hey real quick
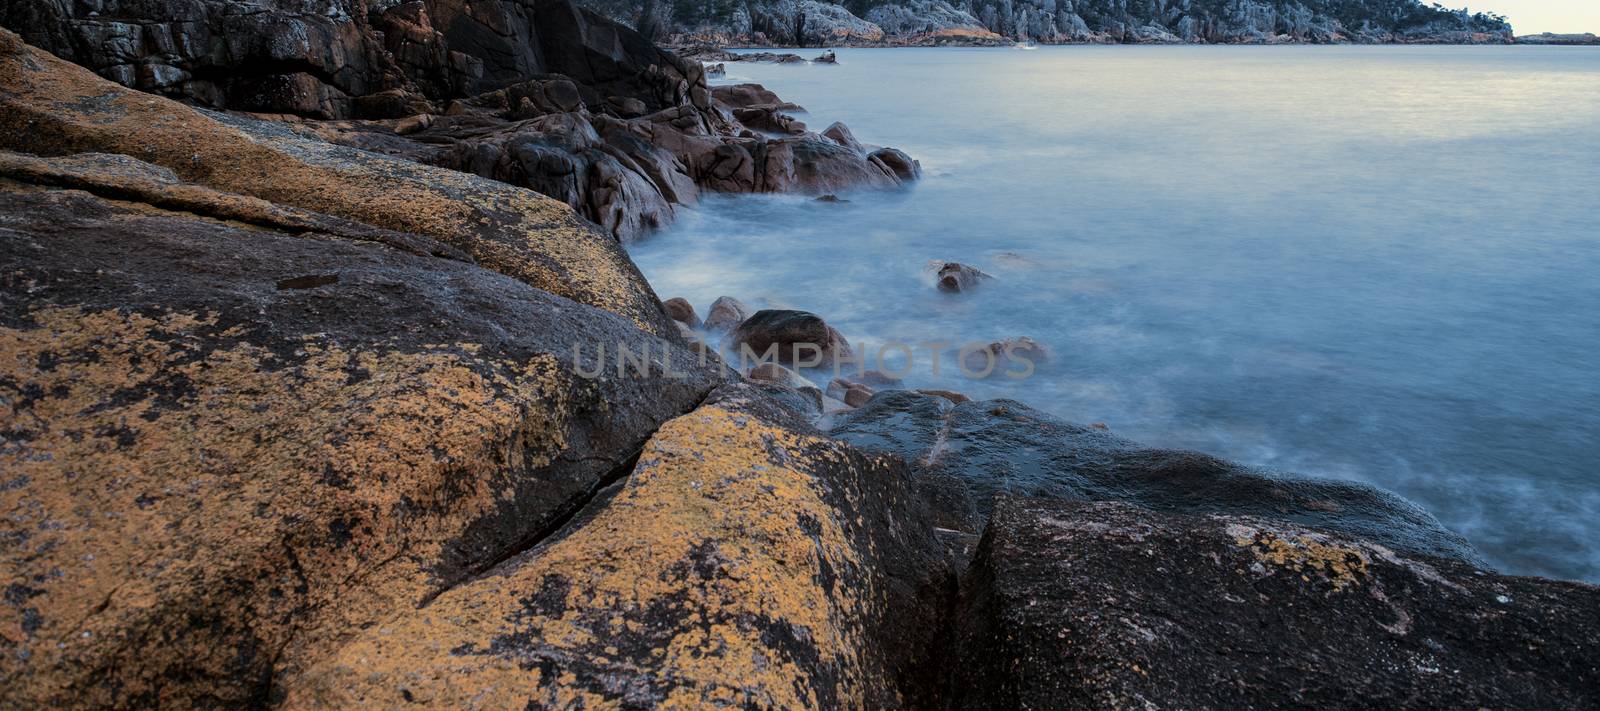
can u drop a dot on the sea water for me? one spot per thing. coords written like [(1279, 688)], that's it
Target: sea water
[(1371, 263)]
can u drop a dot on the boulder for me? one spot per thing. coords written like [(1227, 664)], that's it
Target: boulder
[(954, 277), (827, 57), (516, 232), (1107, 605), (679, 309), (726, 314), (746, 96), (897, 163), (239, 432), (997, 447), (787, 336), (745, 557), (858, 395)]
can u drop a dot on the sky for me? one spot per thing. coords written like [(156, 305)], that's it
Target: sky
[(1530, 17)]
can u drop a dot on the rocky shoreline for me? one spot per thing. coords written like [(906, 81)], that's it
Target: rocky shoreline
[(935, 23), (303, 405)]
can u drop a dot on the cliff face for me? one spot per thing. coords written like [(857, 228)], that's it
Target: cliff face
[(811, 23)]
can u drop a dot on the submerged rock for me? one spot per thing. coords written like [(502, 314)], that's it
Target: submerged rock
[(1105, 605), (997, 447), (954, 277)]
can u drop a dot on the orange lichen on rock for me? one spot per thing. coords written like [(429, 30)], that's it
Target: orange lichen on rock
[(52, 107), (127, 507), (1304, 553), (720, 574)]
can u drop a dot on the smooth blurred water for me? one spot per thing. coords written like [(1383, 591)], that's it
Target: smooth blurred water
[(1375, 263)]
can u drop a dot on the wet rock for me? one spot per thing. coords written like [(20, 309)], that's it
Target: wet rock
[(831, 199), (954, 397), (1108, 605), (1004, 447), (838, 387), (784, 377), (726, 314), (954, 277), (787, 336), (679, 309), (858, 395), (879, 378), (762, 561), (827, 57), (255, 429)]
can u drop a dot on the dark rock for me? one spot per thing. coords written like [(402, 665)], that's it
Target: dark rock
[(784, 377), (1103, 605), (787, 337), (627, 107), (879, 378), (827, 57), (726, 314), (954, 277), (1004, 447), (679, 309), (954, 397)]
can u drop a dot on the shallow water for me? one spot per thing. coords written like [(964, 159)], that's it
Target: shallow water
[(1375, 263)]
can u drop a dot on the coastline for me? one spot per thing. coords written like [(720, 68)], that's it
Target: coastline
[(301, 415)]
